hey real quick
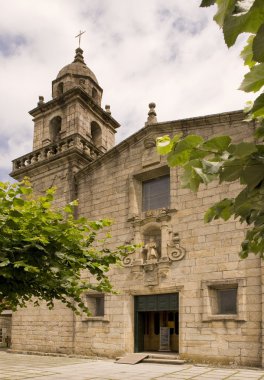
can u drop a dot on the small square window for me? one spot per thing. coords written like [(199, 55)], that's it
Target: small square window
[(156, 193), (227, 301), (95, 303), (224, 300)]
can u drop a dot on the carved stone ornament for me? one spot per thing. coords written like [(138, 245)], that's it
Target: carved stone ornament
[(150, 275), (150, 155), (149, 142), (175, 251), (129, 259), (160, 246)]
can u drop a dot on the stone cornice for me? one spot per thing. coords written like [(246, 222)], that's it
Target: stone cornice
[(78, 93)]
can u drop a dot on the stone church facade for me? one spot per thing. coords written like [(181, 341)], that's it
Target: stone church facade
[(185, 290)]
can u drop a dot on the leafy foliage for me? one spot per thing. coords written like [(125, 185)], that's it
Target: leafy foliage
[(218, 158), (44, 251)]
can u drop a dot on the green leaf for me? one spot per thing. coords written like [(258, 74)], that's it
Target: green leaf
[(253, 174), (189, 142), (164, 144), (26, 190), (31, 269), (18, 202), (178, 159), (247, 53), (225, 7), (242, 149), (259, 133), (20, 263), (201, 174), (254, 80), (192, 177), (209, 215), (11, 224), (194, 184), (217, 144), (211, 167), (231, 170), (68, 209), (258, 45), (258, 106), (45, 205), (222, 209), (247, 21), (4, 263), (243, 204), (182, 150), (207, 3)]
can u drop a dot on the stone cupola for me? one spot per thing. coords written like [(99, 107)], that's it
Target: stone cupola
[(77, 74)]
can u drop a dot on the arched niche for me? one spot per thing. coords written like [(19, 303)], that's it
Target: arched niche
[(151, 234), (55, 128), (96, 133)]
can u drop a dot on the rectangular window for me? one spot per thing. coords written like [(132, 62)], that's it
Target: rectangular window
[(224, 300), (95, 303), (227, 301), (1, 335), (99, 308), (156, 193)]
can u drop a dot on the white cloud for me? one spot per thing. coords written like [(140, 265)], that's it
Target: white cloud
[(166, 51)]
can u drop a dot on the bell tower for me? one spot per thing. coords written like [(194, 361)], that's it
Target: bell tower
[(70, 131)]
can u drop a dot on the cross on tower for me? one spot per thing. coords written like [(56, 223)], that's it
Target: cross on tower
[(79, 35)]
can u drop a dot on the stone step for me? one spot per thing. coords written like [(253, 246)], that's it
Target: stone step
[(163, 356), (159, 358), (164, 361)]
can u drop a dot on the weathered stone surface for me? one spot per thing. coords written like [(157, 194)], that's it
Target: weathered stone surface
[(110, 186)]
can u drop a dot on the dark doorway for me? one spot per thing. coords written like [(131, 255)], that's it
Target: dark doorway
[(153, 315)]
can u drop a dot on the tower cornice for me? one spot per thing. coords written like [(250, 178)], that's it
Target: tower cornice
[(67, 97)]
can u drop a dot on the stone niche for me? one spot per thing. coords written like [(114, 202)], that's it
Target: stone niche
[(159, 246)]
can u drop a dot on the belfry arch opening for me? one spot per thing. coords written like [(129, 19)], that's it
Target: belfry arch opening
[(55, 128), (96, 133)]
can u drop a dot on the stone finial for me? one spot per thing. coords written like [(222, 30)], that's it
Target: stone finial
[(107, 109), (41, 100), (152, 116), (79, 55)]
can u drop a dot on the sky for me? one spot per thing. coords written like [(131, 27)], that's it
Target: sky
[(170, 52)]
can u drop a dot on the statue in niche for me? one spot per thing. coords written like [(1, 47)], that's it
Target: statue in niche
[(150, 250)]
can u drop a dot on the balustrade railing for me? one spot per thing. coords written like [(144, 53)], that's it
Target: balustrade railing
[(55, 148)]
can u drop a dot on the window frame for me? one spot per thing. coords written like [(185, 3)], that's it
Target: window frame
[(150, 193), (210, 299), (88, 298)]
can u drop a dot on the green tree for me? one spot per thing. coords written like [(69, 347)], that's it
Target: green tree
[(43, 251), (219, 158)]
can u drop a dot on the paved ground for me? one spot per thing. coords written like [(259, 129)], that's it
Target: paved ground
[(20, 367)]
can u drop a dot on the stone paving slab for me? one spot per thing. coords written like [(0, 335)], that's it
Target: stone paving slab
[(33, 367)]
